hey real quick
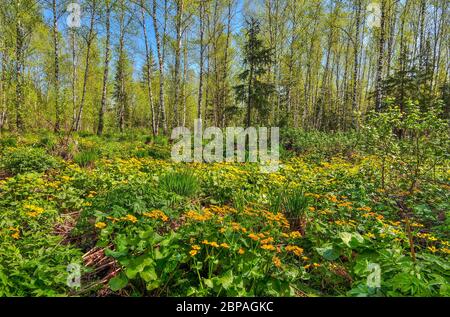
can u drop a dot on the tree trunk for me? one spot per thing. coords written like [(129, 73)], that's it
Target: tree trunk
[(179, 20), (380, 63), (148, 70), (105, 70), (202, 48), (86, 69), (355, 106), (56, 74), (159, 49)]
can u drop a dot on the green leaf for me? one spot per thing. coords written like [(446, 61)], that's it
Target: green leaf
[(118, 282), (227, 279), (149, 274), (352, 240), (328, 252)]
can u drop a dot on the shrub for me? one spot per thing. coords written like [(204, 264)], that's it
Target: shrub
[(182, 183), (8, 142), (25, 160)]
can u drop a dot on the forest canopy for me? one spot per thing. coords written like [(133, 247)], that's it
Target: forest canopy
[(114, 64)]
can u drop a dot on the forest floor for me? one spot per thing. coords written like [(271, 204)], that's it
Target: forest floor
[(119, 217)]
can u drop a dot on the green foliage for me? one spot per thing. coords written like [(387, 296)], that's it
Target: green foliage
[(183, 183), (86, 158), (23, 160), (315, 227), (292, 202)]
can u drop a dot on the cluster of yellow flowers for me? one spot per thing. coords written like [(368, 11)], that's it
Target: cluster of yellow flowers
[(100, 225), (332, 198), (194, 250), (215, 244), (237, 227), (34, 211), (54, 184), (294, 249), (374, 215), (365, 208), (426, 236), (267, 241), (157, 214), (345, 204), (313, 195), (314, 265), (91, 194), (276, 261), (221, 210), (16, 232), (268, 247), (277, 218), (193, 215), (131, 218)]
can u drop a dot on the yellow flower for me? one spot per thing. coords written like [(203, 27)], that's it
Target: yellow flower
[(241, 251), (432, 249), (294, 249), (295, 234), (131, 218), (16, 235), (225, 245), (316, 264), (311, 208), (214, 244), (156, 214), (253, 236), (370, 235), (445, 250), (305, 258), (205, 242), (268, 247), (276, 261), (193, 252), (100, 225), (267, 241), (307, 266), (333, 199), (196, 247)]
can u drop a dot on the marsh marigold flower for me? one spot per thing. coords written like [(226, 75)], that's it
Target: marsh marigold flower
[(294, 249), (268, 247), (276, 261), (295, 235), (100, 225), (131, 218), (193, 252)]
